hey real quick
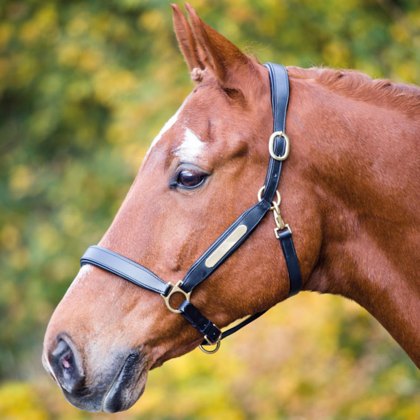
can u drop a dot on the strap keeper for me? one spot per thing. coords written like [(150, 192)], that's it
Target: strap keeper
[(212, 334), (285, 233)]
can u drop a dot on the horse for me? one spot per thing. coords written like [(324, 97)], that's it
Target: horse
[(349, 190)]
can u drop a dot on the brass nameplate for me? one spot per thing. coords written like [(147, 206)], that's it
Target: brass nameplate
[(225, 246)]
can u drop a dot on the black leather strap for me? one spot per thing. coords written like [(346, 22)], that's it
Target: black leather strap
[(200, 322), (124, 267), (198, 271), (292, 262), (279, 85), (242, 324)]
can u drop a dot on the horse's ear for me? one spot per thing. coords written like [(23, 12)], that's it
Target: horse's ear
[(205, 48), (186, 40)]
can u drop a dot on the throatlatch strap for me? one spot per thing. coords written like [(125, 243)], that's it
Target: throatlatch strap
[(289, 252), (279, 85)]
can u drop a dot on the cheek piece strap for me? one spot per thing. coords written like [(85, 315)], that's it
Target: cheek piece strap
[(229, 241)]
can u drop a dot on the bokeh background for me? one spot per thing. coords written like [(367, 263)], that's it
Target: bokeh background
[(84, 87)]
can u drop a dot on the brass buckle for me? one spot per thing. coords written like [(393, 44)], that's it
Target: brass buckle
[(175, 289), (271, 146), (209, 343)]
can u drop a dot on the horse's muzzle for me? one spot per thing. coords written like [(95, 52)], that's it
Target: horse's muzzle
[(116, 388)]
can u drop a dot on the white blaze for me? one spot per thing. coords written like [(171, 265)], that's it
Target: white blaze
[(191, 148), (84, 271), (167, 126)]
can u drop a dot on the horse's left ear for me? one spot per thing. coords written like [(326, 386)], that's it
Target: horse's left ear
[(212, 51)]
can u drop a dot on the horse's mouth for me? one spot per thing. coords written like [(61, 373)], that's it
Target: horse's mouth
[(128, 385)]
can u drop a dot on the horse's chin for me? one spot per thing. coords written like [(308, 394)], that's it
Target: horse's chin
[(127, 387), (122, 391)]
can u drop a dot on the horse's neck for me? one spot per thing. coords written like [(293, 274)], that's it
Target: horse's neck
[(364, 163)]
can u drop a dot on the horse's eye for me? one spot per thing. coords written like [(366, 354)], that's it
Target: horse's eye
[(189, 178)]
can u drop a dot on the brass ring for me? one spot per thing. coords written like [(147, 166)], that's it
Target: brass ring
[(271, 146), (211, 351), (175, 289), (275, 203)]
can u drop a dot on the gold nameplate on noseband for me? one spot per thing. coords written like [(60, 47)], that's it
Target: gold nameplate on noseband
[(225, 246)]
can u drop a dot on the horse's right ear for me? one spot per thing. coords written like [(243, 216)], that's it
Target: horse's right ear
[(186, 40)]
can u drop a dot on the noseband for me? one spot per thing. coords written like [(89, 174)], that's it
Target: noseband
[(230, 240)]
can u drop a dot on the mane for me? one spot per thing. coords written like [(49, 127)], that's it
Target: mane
[(357, 85)]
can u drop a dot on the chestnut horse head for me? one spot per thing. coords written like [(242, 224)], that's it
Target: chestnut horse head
[(349, 190)]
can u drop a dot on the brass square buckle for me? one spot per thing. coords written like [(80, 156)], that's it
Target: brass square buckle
[(175, 289)]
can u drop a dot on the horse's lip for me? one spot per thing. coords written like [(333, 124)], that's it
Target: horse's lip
[(128, 385)]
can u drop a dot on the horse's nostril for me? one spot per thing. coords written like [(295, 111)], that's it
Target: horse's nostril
[(65, 362)]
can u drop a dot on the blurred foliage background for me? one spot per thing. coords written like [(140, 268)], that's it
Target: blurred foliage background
[(84, 87)]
